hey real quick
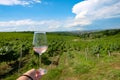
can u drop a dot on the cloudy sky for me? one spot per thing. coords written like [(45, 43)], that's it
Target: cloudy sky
[(59, 15)]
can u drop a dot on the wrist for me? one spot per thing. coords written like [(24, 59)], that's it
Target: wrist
[(27, 76)]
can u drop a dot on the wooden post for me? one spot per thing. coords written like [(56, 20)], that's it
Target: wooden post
[(109, 54), (86, 53)]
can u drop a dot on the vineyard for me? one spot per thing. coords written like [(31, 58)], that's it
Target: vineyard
[(70, 55)]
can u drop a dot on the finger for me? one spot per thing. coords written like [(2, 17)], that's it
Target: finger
[(38, 74)]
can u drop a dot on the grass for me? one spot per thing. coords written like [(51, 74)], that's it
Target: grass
[(74, 66)]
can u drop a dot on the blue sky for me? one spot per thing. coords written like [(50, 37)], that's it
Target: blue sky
[(59, 15)]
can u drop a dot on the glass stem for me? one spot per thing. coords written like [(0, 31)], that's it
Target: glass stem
[(40, 62)]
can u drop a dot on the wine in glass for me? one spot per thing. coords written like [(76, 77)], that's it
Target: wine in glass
[(40, 46)]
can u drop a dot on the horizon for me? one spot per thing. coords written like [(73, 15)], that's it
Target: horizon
[(64, 31), (60, 15)]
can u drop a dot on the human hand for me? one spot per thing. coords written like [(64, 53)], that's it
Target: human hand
[(31, 74)]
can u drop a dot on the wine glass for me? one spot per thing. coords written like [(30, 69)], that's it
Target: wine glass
[(40, 46)]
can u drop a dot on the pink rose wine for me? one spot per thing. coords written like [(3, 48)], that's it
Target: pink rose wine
[(40, 49)]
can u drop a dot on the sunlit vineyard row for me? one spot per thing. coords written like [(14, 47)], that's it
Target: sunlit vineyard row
[(70, 55)]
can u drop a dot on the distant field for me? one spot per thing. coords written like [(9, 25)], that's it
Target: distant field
[(70, 55)]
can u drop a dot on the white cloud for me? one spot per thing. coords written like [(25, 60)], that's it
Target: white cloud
[(76, 22), (29, 25), (90, 10), (18, 2), (32, 25)]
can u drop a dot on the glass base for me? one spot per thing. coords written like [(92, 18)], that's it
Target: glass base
[(42, 71)]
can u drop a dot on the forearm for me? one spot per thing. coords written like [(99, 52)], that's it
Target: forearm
[(29, 75), (23, 78)]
